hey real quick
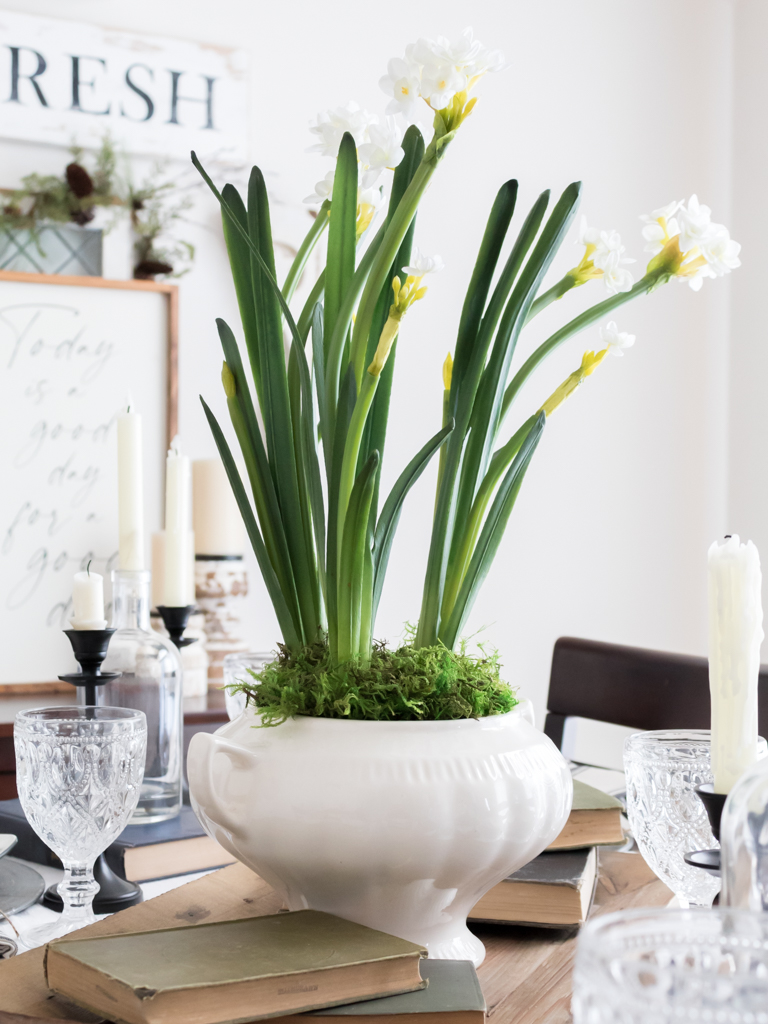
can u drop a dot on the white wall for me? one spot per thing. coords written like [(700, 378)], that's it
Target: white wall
[(629, 485)]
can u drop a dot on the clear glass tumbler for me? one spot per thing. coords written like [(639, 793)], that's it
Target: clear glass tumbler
[(667, 818), (664, 966), (79, 773), (238, 668)]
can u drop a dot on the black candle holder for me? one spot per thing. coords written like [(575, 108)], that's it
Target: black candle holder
[(114, 893), (90, 649), (176, 619), (709, 860)]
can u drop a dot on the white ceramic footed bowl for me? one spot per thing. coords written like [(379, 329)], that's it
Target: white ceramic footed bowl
[(401, 826)]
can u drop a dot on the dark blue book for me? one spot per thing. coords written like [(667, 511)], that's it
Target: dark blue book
[(142, 853)]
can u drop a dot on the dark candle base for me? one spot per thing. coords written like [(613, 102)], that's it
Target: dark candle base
[(114, 893), (90, 649), (709, 860), (176, 620), (713, 805)]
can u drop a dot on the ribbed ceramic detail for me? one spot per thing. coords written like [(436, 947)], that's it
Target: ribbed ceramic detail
[(401, 826)]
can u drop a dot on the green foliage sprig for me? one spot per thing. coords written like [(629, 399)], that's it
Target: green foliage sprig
[(407, 684), (154, 206), (70, 198)]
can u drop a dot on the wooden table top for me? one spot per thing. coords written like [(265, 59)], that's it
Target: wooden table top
[(526, 976)]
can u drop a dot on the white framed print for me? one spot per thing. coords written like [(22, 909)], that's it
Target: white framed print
[(73, 352)]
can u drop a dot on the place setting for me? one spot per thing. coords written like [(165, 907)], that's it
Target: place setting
[(356, 667)]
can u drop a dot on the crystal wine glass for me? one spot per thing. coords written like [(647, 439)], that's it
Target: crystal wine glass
[(237, 669), (79, 773), (663, 769), (672, 967)]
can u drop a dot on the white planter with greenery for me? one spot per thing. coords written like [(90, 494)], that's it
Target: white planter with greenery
[(401, 826)]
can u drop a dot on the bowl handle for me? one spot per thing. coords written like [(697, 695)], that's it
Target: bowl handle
[(202, 748)]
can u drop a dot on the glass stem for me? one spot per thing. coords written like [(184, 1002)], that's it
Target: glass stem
[(77, 890)]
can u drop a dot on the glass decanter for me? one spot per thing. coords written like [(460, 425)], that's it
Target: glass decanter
[(744, 841), (150, 681)]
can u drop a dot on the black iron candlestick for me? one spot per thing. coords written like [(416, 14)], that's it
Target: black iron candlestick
[(176, 619), (90, 648), (709, 860)]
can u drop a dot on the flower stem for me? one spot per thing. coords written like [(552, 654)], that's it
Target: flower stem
[(352, 450), (305, 250), (579, 323), (382, 263)]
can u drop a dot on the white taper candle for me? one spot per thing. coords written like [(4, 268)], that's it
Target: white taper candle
[(130, 490), (178, 584), (735, 636)]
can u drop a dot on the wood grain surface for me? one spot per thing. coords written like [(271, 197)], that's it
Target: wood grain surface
[(526, 976)]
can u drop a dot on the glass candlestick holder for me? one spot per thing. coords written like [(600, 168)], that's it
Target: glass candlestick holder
[(151, 681), (744, 838)]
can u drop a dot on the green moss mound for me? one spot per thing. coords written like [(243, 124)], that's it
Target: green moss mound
[(405, 685)]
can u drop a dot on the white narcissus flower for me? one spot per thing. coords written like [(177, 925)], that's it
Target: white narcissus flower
[(323, 190), (383, 150), (660, 226), (615, 339), (721, 252), (696, 226), (421, 264), (402, 83), (587, 235), (440, 82), (606, 254), (370, 197), (331, 125), (615, 277)]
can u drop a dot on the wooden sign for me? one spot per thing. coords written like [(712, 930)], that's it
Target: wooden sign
[(73, 352), (62, 80)]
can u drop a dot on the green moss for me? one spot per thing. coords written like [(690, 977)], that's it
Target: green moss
[(409, 684)]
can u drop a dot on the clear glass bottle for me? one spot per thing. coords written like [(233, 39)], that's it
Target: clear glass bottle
[(744, 841), (151, 681)]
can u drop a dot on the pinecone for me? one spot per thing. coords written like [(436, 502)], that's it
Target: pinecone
[(79, 180)]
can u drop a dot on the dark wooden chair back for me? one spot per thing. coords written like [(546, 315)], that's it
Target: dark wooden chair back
[(632, 686)]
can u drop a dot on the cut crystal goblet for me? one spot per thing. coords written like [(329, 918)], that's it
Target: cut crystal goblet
[(667, 818), (79, 773)]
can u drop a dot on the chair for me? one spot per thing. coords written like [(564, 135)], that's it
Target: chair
[(633, 687)]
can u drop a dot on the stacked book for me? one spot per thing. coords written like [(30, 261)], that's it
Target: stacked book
[(555, 889), (291, 965)]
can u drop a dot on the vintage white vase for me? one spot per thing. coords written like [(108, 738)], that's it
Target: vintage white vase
[(401, 826)]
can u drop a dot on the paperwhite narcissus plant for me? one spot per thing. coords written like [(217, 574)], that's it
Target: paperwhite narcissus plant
[(312, 425)]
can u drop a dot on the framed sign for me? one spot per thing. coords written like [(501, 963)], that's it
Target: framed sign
[(73, 352), (63, 80)]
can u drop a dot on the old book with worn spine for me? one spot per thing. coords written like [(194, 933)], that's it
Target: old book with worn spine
[(232, 971), (452, 996), (595, 820), (555, 890)]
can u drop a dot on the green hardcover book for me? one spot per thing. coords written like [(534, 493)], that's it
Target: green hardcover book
[(452, 996), (232, 971), (595, 820)]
